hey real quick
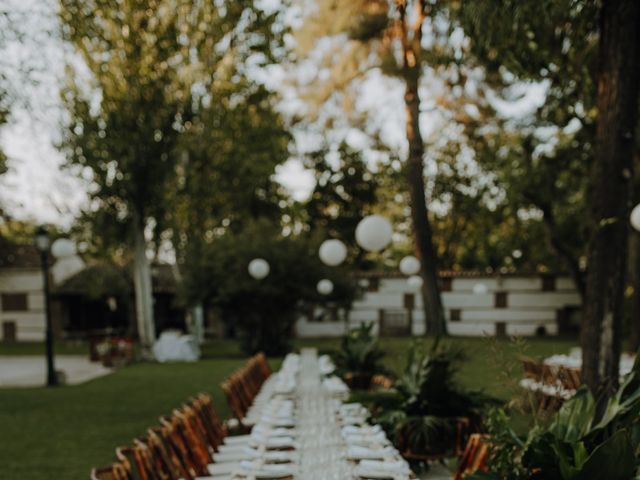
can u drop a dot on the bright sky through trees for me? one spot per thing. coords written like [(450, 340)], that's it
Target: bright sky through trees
[(36, 188)]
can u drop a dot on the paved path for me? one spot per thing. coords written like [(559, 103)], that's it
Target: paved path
[(30, 371), (437, 472)]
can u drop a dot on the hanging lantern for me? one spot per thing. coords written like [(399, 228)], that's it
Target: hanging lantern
[(480, 289), (332, 252), (635, 217), (258, 268), (415, 282), (63, 248), (374, 233), (363, 283), (325, 286), (409, 265)]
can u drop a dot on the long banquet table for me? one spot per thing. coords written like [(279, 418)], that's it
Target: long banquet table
[(331, 440)]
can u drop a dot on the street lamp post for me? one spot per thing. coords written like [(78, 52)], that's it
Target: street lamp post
[(43, 243)]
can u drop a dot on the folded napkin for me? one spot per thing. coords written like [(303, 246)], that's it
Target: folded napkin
[(393, 466), (362, 430), (252, 469), (357, 452), (366, 440), (272, 443)]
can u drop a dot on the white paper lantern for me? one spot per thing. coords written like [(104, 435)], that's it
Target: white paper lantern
[(635, 217), (480, 289), (325, 286), (363, 283), (63, 248), (332, 252), (409, 265), (258, 268), (415, 282), (373, 233)]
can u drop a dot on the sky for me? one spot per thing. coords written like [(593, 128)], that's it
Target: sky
[(38, 188)]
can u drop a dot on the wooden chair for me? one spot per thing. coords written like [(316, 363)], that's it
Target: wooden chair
[(532, 369), (382, 381), (233, 399), (474, 457), (141, 461), (165, 456), (177, 438), (213, 426), (115, 471)]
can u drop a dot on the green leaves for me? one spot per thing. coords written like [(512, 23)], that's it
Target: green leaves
[(360, 353), (571, 447), (573, 420), (614, 460)]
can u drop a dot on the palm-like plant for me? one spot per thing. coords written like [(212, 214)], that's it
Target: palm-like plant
[(424, 408), (359, 358)]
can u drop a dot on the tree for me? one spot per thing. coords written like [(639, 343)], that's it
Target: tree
[(345, 192), (263, 312), (144, 58), (377, 30), (588, 53), (618, 94)]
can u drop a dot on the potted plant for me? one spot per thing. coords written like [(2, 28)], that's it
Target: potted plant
[(359, 357), (426, 413)]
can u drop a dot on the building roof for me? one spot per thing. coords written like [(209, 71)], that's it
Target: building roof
[(458, 274), (105, 279), (14, 255)]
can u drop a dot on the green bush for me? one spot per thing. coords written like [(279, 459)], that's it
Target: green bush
[(359, 357), (424, 406), (262, 312), (577, 444)]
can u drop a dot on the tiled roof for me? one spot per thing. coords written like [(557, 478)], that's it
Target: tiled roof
[(14, 255), (109, 279), (458, 274)]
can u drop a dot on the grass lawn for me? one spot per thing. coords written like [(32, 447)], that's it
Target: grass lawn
[(61, 433)]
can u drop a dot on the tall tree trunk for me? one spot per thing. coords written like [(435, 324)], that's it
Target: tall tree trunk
[(433, 311), (142, 285), (634, 258), (611, 188), (411, 39)]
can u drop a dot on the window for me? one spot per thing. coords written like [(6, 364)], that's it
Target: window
[(14, 302), (409, 301), (455, 315), (500, 300), (445, 284), (548, 283), (374, 284)]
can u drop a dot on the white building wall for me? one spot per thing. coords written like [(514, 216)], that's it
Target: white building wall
[(528, 307), (30, 324)]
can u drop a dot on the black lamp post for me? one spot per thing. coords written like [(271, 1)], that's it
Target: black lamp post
[(43, 243)]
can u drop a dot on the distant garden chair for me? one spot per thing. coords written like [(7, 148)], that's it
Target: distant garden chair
[(382, 381), (116, 471), (475, 456)]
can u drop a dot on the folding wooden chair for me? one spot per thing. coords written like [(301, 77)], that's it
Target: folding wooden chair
[(177, 437), (475, 456), (141, 461), (165, 456), (115, 471)]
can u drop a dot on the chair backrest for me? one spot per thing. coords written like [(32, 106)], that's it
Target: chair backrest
[(115, 471), (214, 430), (235, 404), (182, 440), (532, 368), (195, 434), (164, 456), (475, 456), (141, 460)]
